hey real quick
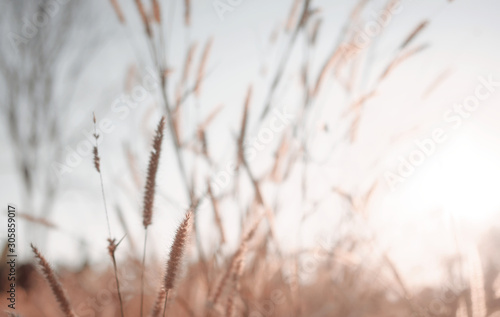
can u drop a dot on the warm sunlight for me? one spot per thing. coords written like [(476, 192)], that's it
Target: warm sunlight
[(450, 201), (463, 179), (249, 158)]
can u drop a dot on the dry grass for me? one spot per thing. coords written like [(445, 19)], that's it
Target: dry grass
[(251, 280), (54, 284), (118, 11), (149, 195), (154, 161), (254, 278)]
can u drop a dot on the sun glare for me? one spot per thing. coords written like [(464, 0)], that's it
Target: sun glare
[(464, 177)]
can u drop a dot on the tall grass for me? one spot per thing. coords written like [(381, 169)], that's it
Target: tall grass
[(255, 277)]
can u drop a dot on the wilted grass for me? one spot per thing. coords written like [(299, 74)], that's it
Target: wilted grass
[(255, 278)]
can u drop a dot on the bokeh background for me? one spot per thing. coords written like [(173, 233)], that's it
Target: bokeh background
[(370, 113)]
